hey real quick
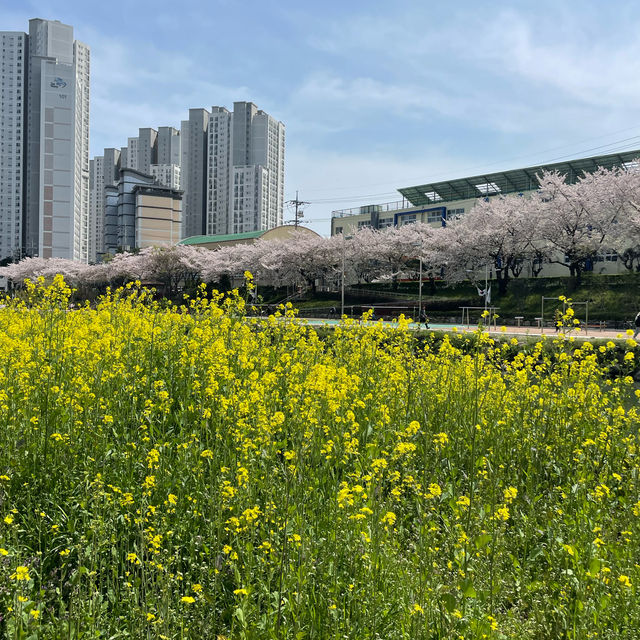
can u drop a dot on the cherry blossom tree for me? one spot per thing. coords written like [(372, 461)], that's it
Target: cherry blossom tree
[(496, 234), (577, 221)]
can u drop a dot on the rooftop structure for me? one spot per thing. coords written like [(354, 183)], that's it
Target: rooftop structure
[(282, 232), (513, 181), (490, 184)]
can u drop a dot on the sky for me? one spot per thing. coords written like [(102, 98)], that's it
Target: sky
[(375, 96)]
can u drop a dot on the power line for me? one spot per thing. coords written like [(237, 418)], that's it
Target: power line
[(528, 155), (356, 198), (298, 211)]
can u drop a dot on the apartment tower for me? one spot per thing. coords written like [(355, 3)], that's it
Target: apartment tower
[(56, 216), (245, 187), (13, 101)]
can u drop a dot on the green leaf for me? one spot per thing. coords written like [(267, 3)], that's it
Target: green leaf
[(449, 602), (466, 586), (482, 540)]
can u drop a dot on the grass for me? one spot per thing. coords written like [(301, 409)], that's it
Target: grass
[(190, 473)]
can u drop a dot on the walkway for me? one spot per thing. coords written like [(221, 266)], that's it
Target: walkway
[(533, 332)]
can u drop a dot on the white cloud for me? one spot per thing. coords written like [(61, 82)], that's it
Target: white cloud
[(356, 178), (134, 85)]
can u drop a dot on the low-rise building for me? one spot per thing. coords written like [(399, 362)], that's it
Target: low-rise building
[(140, 213), (283, 232), (436, 202)]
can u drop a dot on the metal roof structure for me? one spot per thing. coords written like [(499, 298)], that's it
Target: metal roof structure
[(248, 235), (513, 181)]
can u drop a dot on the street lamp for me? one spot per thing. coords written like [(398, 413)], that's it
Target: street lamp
[(344, 237), (420, 286)]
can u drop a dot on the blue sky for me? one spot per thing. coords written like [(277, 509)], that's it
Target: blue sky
[(374, 95)]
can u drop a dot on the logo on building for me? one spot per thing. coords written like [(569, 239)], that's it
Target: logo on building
[(58, 83)]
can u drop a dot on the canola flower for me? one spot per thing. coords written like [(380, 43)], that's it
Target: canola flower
[(192, 472)]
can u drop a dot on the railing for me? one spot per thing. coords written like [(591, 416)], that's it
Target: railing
[(372, 208), (372, 293)]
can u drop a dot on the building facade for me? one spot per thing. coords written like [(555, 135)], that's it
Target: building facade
[(147, 149), (158, 216), (229, 166), (168, 146), (45, 141), (245, 190), (139, 213), (167, 175), (435, 203), (104, 171), (13, 102), (193, 171)]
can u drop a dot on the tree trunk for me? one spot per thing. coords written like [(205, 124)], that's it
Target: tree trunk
[(503, 280)]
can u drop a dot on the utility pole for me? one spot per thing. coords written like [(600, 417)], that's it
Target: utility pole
[(297, 203)]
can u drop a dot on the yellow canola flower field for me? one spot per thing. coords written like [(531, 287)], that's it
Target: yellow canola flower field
[(190, 472)]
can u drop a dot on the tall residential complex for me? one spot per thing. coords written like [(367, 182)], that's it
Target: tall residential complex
[(245, 186), (13, 66), (168, 146), (104, 172), (193, 168), (228, 165), (44, 143)]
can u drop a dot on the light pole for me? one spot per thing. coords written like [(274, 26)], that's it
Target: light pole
[(344, 237), (420, 286), (486, 285)]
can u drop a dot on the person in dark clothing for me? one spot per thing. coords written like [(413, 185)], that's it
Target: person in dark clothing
[(558, 320), (423, 319)]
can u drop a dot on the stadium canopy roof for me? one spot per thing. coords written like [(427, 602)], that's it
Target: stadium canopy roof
[(513, 181)]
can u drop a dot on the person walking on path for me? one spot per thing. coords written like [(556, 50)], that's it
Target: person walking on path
[(558, 320), (637, 323)]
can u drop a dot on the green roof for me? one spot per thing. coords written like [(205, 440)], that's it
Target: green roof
[(513, 181), (249, 235)]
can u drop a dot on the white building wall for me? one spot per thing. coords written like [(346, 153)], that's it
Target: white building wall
[(168, 146), (147, 149)]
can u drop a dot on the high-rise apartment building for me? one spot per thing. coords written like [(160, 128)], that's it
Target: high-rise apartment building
[(147, 149), (168, 146), (167, 175), (13, 74), (229, 166), (245, 182), (44, 139), (219, 176), (193, 172), (142, 151), (104, 171), (131, 156)]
